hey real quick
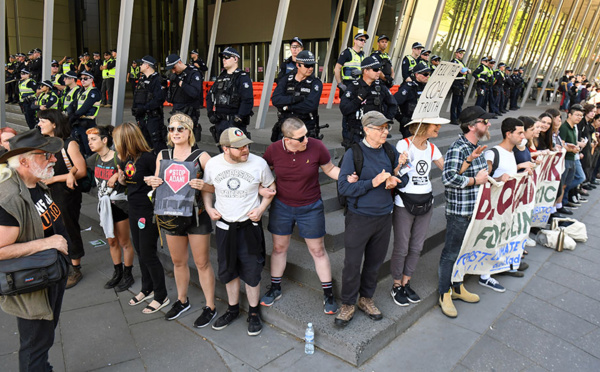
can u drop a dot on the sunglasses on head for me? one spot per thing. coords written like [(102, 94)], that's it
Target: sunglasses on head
[(179, 128)]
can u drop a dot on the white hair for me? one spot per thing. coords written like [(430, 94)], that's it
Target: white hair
[(14, 162)]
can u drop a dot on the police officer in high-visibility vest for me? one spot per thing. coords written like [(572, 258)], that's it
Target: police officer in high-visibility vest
[(410, 60), (57, 79), (424, 57), (70, 92), (386, 74), (229, 101), (84, 116), (298, 95), (498, 88), (434, 62), (27, 98), (185, 91), (148, 100), (134, 74), (483, 78), (47, 99), (408, 95), (67, 64), (288, 65), (109, 70), (364, 95), (458, 86)]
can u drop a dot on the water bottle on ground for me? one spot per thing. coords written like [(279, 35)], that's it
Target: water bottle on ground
[(309, 338)]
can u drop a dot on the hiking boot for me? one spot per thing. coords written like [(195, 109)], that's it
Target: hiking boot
[(330, 307), (225, 320), (447, 306), (206, 317), (492, 284), (399, 295), (116, 278), (273, 294), (126, 281), (254, 324), (412, 295), (345, 315), (368, 307), (75, 277), (461, 293), (177, 309)]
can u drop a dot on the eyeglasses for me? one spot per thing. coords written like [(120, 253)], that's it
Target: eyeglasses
[(48, 155), (380, 129), (296, 47), (483, 121), (301, 139), (239, 148), (305, 65), (180, 128), (86, 78), (362, 40)]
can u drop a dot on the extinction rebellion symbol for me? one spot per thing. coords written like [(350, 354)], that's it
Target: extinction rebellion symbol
[(177, 176)]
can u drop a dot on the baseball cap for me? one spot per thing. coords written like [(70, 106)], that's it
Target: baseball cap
[(87, 73), (149, 60), (383, 37), (361, 34), (425, 51), (234, 137), (194, 51), (47, 83), (298, 40), (421, 68), (460, 50), (70, 74), (376, 119)]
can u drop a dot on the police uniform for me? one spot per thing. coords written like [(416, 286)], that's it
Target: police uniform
[(299, 99), (108, 81), (432, 67), (84, 115), (36, 67), (10, 74), (229, 101), (49, 99), (458, 89), (186, 98), (289, 65), (516, 91), (483, 77), (68, 65), (386, 63), (361, 98), (498, 89), (198, 63), (134, 75), (409, 62), (96, 63), (27, 89), (351, 61), (148, 99), (508, 87), (69, 95), (407, 98)]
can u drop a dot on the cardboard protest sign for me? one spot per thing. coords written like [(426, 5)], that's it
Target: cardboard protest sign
[(547, 175), (499, 227), (432, 98), (175, 197)]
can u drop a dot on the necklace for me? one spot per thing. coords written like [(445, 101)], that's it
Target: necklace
[(103, 155)]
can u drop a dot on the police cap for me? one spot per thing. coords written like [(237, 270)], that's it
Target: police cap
[(172, 60), (491, 60), (86, 54), (113, 50), (370, 62), (484, 59), (383, 37), (87, 73), (502, 64), (54, 63), (194, 51), (421, 68), (297, 40), (460, 50), (37, 50), (521, 68), (47, 83), (426, 51), (435, 57), (70, 74), (228, 52), (30, 52), (69, 59), (96, 54), (107, 53), (306, 57), (149, 60), (508, 68), (25, 71), (361, 34), (418, 45)]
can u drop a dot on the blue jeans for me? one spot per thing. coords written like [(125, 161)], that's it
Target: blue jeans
[(574, 177), (456, 227)]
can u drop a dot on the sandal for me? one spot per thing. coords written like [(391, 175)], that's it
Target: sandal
[(151, 309), (525, 253), (136, 300)]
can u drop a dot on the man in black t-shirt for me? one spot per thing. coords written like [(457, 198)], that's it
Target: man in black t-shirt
[(31, 222)]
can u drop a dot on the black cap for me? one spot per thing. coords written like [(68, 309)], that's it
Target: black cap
[(306, 57), (417, 45), (383, 37), (521, 68), (54, 62), (228, 52), (425, 51), (30, 52), (37, 50), (508, 68), (172, 60), (491, 60), (87, 73), (29, 141), (85, 54), (460, 50), (47, 83), (97, 54), (113, 50), (361, 34), (25, 71), (297, 40), (435, 57), (421, 68), (69, 58), (149, 60), (194, 51), (502, 64), (484, 59), (70, 74), (370, 62), (473, 113)]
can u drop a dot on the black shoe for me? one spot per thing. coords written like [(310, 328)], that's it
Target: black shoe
[(564, 211), (573, 205), (495, 117), (586, 187), (583, 192), (116, 278), (412, 295), (523, 266), (254, 324), (594, 182), (177, 309), (225, 320), (206, 317), (399, 295), (592, 186), (556, 215), (126, 282), (514, 273)]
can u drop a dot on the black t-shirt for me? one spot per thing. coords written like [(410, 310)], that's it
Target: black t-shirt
[(48, 210), (135, 171)]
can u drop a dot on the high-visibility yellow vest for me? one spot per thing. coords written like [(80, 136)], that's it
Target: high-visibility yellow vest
[(83, 98), (109, 73), (353, 64), (69, 97), (24, 90)]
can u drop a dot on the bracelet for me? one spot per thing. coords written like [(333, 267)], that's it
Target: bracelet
[(469, 162), (474, 181)]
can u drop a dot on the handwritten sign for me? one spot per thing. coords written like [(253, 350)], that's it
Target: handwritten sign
[(547, 175), (434, 93)]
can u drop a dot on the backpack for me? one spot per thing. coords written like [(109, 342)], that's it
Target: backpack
[(496, 160), (358, 166)]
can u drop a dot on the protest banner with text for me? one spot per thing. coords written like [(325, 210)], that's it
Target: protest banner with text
[(547, 175)]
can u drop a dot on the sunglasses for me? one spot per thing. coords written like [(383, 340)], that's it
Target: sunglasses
[(425, 55), (301, 139), (227, 57), (305, 65), (180, 129), (48, 155), (483, 121), (376, 69), (425, 74), (86, 78), (363, 40)]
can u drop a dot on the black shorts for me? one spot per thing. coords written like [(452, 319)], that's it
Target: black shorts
[(249, 266), (184, 226), (118, 214)]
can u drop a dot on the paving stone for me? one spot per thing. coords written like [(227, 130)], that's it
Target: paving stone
[(569, 278), (233, 363), (9, 342), (579, 304), (460, 368), (81, 295), (576, 263), (544, 289), (488, 353), (133, 314), (297, 360), (590, 342), (10, 362), (127, 366)]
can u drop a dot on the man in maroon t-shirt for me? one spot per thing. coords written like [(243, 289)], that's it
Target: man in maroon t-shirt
[(296, 160)]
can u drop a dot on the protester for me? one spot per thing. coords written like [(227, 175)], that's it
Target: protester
[(5, 135), (544, 140), (573, 174)]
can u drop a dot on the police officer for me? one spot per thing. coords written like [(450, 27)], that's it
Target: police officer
[(67, 64), (408, 95), (36, 65), (492, 101), (27, 90), (197, 63), (47, 99), (298, 95), (71, 89), (185, 91), (434, 62), (82, 114), (11, 80), (348, 66), (386, 75), (458, 86), (364, 95), (109, 70), (148, 99), (517, 83), (483, 77), (229, 101), (289, 65), (56, 77), (424, 57), (134, 74), (498, 88), (96, 69), (508, 87), (410, 60)]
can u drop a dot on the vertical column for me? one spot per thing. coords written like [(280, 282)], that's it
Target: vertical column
[(410, 10), (435, 24), (590, 64), (3, 56), (372, 29), (213, 38), (591, 47), (47, 38), (529, 31), (334, 26), (17, 24), (393, 50), (472, 43), (187, 30), (344, 43), (123, 38), (508, 29), (272, 63)]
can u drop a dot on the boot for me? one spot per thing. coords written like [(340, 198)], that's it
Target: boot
[(75, 276), (126, 281), (116, 278), (447, 306), (461, 293)]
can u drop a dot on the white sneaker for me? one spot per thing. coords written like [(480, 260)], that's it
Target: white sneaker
[(530, 242)]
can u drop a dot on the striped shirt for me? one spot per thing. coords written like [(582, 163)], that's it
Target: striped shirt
[(460, 198)]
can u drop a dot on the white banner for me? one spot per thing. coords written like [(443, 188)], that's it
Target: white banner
[(431, 100), (547, 175)]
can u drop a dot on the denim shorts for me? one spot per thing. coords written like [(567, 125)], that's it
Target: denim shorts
[(309, 218)]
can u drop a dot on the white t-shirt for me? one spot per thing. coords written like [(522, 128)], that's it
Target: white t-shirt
[(419, 168), (507, 163), (236, 185)]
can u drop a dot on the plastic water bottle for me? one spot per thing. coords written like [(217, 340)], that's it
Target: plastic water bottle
[(309, 338)]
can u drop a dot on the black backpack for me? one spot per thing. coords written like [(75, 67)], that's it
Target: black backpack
[(357, 154)]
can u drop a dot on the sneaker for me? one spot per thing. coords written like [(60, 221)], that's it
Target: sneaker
[(564, 211), (254, 325), (330, 307), (447, 306), (225, 320), (368, 307), (586, 187), (206, 317), (75, 277), (412, 295), (272, 295), (399, 295), (530, 242), (492, 284), (581, 199), (583, 192), (573, 205), (177, 309), (345, 315), (574, 199)]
